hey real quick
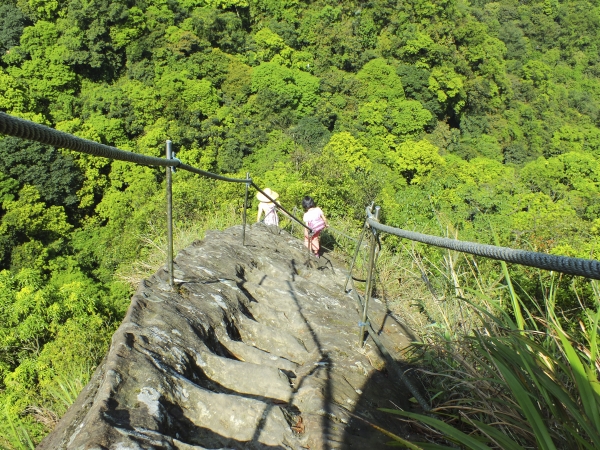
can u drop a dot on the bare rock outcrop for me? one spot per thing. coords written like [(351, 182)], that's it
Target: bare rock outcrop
[(255, 348)]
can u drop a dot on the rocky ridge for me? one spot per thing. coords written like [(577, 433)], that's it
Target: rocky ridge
[(255, 348)]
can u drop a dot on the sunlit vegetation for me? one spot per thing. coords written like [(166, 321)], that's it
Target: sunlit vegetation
[(478, 120)]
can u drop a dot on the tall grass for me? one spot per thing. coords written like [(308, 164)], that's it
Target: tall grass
[(184, 233), (59, 395), (502, 371), (63, 392), (13, 432)]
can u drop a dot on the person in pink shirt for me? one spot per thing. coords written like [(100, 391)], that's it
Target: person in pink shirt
[(316, 221)]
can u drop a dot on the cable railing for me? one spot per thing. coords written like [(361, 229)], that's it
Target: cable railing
[(24, 129), (588, 268)]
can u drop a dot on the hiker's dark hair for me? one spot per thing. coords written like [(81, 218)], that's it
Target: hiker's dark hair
[(307, 203)]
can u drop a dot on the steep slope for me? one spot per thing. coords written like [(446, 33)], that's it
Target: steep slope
[(256, 348)]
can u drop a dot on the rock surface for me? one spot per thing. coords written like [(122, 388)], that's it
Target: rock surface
[(256, 348)]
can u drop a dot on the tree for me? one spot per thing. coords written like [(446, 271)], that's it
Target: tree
[(414, 160), (293, 87), (14, 98), (33, 231), (449, 87), (12, 23), (340, 176), (381, 81), (56, 176), (415, 82), (310, 133), (573, 176)]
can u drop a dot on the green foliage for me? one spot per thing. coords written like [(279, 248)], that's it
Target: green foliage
[(416, 86), (292, 87), (14, 432), (349, 153), (415, 160), (12, 23), (452, 116), (48, 328), (449, 87), (381, 81), (55, 176), (544, 385), (33, 231), (310, 133), (15, 99)]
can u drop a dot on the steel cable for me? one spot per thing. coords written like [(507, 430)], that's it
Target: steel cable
[(25, 129), (278, 206), (341, 233), (574, 266)]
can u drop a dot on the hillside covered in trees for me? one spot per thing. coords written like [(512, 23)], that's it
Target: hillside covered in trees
[(466, 119)]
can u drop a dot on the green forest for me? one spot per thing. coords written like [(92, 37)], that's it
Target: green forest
[(474, 120)]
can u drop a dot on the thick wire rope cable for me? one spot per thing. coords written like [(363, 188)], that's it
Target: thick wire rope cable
[(24, 129), (574, 266), (278, 206)]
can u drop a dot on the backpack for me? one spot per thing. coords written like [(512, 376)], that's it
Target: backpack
[(317, 225)]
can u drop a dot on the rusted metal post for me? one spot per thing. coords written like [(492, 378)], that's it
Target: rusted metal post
[(245, 208), (363, 323), (170, 217)]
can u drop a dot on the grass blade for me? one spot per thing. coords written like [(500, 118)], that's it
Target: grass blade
[(497, 436), (589, 398), (18, 436), (449, 431), (593, 341), (398, 441), (513, 297), (522, 396)]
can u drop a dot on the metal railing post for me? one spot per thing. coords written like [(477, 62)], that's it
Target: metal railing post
[(294, 212), (245, 208), (169, 217), (369, 287), (360, 239)]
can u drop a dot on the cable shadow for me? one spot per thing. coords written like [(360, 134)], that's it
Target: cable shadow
[(327, 262), (358, 434), (403, 327), (294, 270), (390, 386), (188, 432), (324, 362)]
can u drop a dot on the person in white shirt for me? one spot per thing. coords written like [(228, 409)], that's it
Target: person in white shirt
[(267, 207)]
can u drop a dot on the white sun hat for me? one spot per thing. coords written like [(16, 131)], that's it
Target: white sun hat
[(269, 192)]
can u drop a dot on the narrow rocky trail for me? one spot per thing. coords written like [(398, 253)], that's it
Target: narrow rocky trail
[(255, 349)]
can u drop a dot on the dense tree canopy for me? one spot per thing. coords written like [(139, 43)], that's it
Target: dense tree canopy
[(451, 115)]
